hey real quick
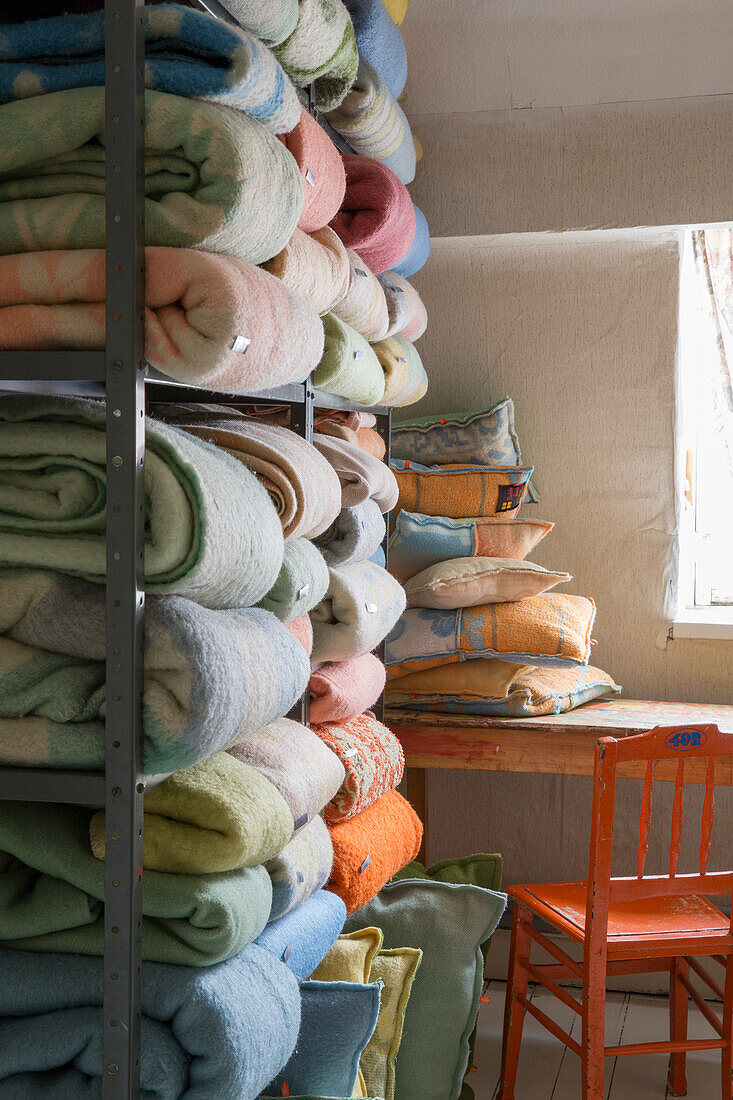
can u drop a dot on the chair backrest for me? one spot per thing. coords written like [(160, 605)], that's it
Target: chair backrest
[(704, 744)]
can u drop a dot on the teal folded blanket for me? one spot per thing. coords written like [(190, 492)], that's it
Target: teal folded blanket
[(214, 1034), (301, 584), (52, 895)]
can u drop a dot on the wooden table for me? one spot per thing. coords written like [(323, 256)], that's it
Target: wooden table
[(558, 744)]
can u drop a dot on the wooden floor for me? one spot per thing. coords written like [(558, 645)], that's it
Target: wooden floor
[(547, 1071)]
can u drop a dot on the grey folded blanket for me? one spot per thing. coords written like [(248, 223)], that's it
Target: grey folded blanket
[(354, 535)]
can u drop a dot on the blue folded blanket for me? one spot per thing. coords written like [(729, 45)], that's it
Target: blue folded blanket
[(379, 42), (419, 250), (222, 1032), (304, 936)]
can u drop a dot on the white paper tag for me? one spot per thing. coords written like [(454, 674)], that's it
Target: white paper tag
[(371, 608), (241, 343), (401, 359), (304, 591), (358, 355), (350, 752), (310, 178), (364, 865)]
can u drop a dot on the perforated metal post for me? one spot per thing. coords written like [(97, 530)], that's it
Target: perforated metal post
[(384, 428)]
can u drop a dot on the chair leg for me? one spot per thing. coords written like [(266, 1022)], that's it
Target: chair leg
[(727, 1052), (594, 1026), (514, 1011), (678, 1010)]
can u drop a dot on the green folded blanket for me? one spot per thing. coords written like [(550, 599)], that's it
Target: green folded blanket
[(321, 48), (211, 532), (349, 366), (301, 584), (52, 895), (215, 178)]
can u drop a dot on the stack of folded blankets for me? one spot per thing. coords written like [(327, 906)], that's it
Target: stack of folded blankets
[(482, 633)]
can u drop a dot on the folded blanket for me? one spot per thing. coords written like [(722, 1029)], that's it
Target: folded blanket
[(218, 815), (344, 689), (379, 557), (417, 255), (303, 937), (397, 9), (455, 491), (320, 164), (321, 49), (52, 894), (552, 630), (377, 218), (302, 631), (220, 1032), (188, 53), (348, 367), (302, 582), (361, 606), (300, 482), (483, 678), (210, 320), (366, 439), (354, 535), (211, 678), (272, 22), (292, 758), (417, 379), (314, 265), (373, 123), (404, 374), (408, 316), (372, 758), (52, 504), (361, 475), (365, 307), (371, 847), (210, 176), (301, 868), (379, 42)]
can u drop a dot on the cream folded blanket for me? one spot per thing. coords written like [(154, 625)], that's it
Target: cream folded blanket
[(364, 307), (314, 265), (362, 605), (303, 866), (348, 366), (362, 476)]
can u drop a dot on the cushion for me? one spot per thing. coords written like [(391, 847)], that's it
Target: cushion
[(396, 971), (456, 491), (351, 957), (484, 678), (466, 582), (419, 541), (448, 923), (484, 437)]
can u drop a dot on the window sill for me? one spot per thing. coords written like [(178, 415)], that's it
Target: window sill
[(703, 622)]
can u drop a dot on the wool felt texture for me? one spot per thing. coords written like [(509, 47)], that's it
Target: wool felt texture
[(370, 848), (395, 971), (373, 761), (219, 1032), (210, 678), (322, 170), (467, 582), (210, 174), (362, 605), (379, 42), (365, 307), (315, 266), (187, 53), (419, 541), (379, 557), (306, 934), (455, 491), (337, 1021), (372, 122), (321, 50), (354, 535), (377, 218), (366, 438), (302, 630), (408, 316), (397, 10), (301, 868), (351, 957), (272, 22), (52, 895), (405, 377), (362, 477), (552, 631), (417, 254), (302, 582), (292, 758), (210, 320), (348, 367), (345, 689), (448, 923), (479, 680), (300, 482)]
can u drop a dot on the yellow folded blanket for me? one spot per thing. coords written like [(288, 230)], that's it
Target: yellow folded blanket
[(486, 677)]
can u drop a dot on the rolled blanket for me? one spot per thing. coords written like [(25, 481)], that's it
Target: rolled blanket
[(188, 53), (379, 557), (210, 173), (292, 758), (408, 316), (320, 164), (373, 123), (303, 937), (361, 606), (417, 379), (52, 895), (365, 307), (418, 254), (361, 475), (302, 631), (365, 438), (349, 367), (404, 374), (321, 49), (211, 678), (210, 320), (373, 759), (314, 265), (379, 42), (224, 1031), (372, 442), (219, 815), (301, 584), (354, 535), (371, 847), (344, 689), (455, 491), (377, 218), (197, 543), (272, 22), (301, 868)]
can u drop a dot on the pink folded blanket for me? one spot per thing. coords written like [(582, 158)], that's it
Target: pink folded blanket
[(365, 305), (373, 761), (324, 177), (345, 689), (315, 266), (210, 320), (377, 218), (302, 631), (408, 316), (361, 475)]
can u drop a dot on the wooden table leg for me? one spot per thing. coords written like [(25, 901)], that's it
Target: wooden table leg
[(417, 796)]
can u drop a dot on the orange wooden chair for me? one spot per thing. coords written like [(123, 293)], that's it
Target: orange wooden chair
[(630, 925)]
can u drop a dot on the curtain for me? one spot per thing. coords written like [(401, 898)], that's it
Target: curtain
[(714, 260)]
